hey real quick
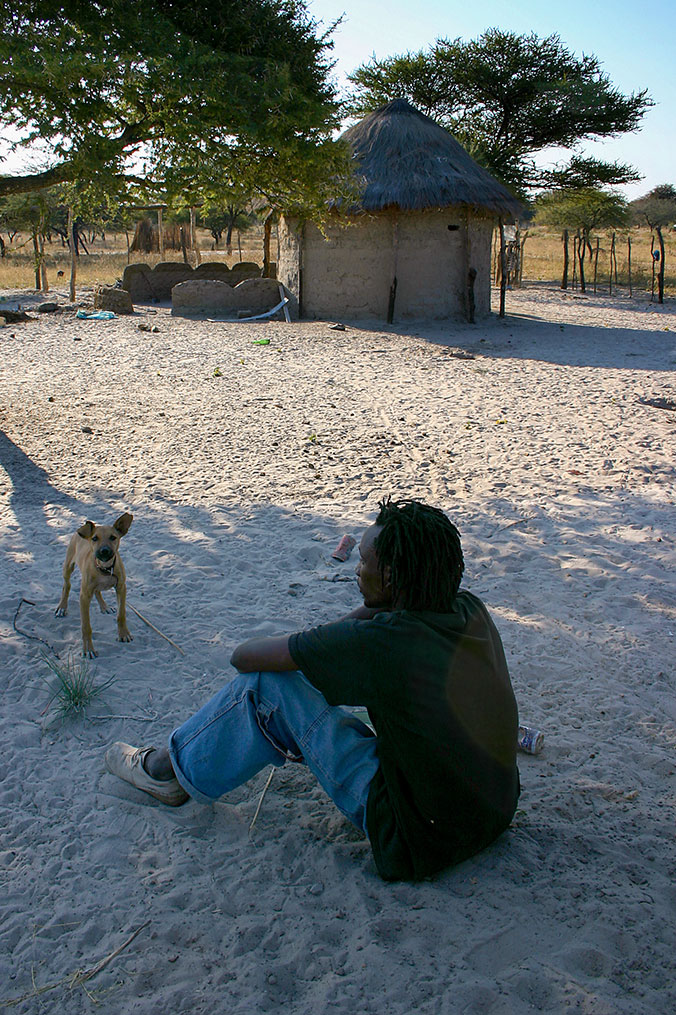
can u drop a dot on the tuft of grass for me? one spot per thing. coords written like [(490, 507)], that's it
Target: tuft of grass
[(74, 687)]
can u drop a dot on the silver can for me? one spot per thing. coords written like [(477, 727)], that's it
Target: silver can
[(530, 740)]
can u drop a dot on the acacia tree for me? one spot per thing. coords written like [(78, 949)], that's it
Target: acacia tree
[(506, 97), (574, 198), (583, 209), (657, 209), (97, 81), (34, 213)]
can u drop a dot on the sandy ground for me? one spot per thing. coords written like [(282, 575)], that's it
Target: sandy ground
[(243, 465)]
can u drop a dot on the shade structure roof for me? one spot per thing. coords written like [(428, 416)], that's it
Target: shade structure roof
[(408, 161)]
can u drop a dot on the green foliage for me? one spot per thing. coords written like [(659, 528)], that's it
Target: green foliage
[(74, 687), (581, 173), (584, 209), (184, 89), (657, 208), (506, 97)]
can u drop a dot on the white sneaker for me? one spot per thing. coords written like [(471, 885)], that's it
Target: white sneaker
[(126, 762)]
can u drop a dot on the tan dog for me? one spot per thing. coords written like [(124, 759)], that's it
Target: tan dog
[(96, 551)]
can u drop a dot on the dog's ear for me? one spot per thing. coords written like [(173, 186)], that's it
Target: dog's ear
[(123, 523), (86, 530)]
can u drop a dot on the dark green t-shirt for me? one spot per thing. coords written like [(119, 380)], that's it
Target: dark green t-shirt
[(438, 693)]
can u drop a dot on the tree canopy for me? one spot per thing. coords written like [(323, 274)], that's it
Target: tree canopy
[(506, 97), (583, 209), (221, 85), (656, 208)]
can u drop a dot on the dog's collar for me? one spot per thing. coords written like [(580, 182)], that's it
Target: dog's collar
[(106, 569)]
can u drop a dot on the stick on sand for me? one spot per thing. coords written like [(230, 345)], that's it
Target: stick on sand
[(146, 621)]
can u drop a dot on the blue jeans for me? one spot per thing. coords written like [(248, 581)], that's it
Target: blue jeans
[(261, 719)]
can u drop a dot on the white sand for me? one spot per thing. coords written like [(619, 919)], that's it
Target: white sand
[(562, 483)]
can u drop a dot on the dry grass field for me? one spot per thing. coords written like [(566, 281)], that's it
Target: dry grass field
[(107, 259), (543, 259)]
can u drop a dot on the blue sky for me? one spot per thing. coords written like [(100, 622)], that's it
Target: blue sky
[(635, 46)]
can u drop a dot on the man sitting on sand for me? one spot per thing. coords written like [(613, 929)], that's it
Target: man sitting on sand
[(437, 781)]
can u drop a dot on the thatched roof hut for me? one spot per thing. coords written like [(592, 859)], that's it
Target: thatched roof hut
[(408, 161), (419, 238)]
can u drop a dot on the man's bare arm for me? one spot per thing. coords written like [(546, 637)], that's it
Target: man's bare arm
[(264, 654), (272, 653)]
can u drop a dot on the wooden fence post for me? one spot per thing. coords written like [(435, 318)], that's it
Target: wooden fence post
[(503, 268), (73, 259)]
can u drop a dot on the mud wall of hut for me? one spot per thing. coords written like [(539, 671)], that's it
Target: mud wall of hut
[(347, 271)]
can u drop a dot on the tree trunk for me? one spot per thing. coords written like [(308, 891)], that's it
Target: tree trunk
[(193, 235), (36, 256), (629, 262), (267, 233), (596, 262), (566, 260), (160, 234), (44, 284)]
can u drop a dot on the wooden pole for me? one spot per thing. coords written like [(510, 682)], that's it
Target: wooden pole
[(469, 278), (629, 262), (566, 260), (615, 259), (73, 259), (660, 274), (395, 260), (503, 268), (523, 244)]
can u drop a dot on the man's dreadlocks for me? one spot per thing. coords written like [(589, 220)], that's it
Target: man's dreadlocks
[(422, 549)]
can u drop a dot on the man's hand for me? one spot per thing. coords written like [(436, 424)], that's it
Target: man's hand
[(259, 654)]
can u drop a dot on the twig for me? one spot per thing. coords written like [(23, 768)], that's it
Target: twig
[(157, 631), (25, 634), (137, 718), (260, 802), (76, 979)]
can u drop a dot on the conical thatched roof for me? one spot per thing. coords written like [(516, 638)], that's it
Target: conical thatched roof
[(410, 162)]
